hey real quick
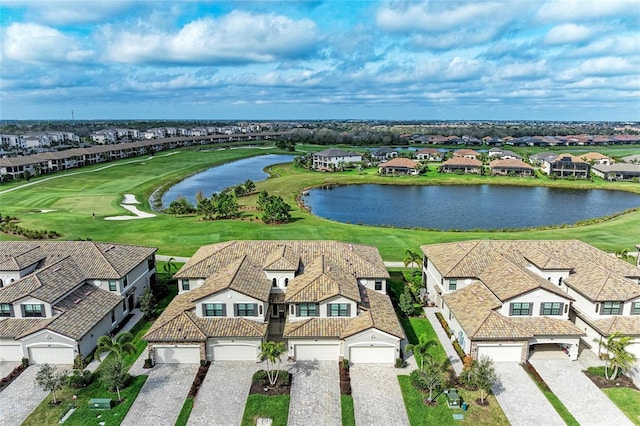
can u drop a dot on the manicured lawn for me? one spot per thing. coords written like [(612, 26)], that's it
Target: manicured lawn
[(182, 236), (627, 400), (275, 407), (416, 327), (420, 414), (185, 412), (45, 414), (348, 416)]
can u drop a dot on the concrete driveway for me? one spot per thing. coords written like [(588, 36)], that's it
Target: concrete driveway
[(588, 404), (377, 399), (162, 396), (21, 397), (521, 400), (223, 394), (315, 394)]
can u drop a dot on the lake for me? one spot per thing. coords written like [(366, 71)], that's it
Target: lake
[(464, 207), (218, 178)]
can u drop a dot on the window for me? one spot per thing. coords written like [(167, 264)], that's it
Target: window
[(308, 310), (611, 308), (112, 285), (520, 309), (214, 310), (635, 309), (125, 282), (286, 282), (113, 316), (6, 310), (378, 285), (124, 306), (246, 309), (338, 310), (274, 283), (453, 283), (551, 308), (33, 310), (151, 263), (185, 285)]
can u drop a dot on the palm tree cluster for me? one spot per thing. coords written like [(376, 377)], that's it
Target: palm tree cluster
[(617, 358)]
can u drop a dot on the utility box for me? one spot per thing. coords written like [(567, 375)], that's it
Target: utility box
[(100, 403)]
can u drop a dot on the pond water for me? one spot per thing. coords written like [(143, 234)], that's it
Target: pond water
[(464, 207), (224, 176)]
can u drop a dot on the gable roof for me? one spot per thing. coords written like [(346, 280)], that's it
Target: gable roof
[(335, 152), (462, 161), (321, 280), (400, 162), (510, 163)]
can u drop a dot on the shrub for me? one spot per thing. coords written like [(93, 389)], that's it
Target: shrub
[(148, 363), (79, 379), (459, 350), (345, 363), (78, 362), (25, 362), (285, 376), (259, 377), (418, 381), (400, 363)]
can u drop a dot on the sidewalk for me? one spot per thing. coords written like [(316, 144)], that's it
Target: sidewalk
[(444, 340)]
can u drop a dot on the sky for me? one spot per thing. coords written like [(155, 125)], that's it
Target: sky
[(360, 60)]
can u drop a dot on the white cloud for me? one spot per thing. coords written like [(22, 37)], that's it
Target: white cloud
[(234, 39), (559, 11), (60, 12), (33, 43), (568, 33)]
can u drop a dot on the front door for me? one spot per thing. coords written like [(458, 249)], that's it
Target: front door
[(130, 302)]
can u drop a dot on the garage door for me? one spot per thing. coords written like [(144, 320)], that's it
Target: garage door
[(51, 355), (372, 355), (10, 352), (234, 353), (317, 352), (501, 353), (177, 354)]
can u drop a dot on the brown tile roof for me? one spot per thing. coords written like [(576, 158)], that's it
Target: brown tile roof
[(321, 280), (283, 258), (381, 316), (510, 163), (315, 327), (16, 260), (179, 328), (463, 152), (627, 325), (594, 156), (546, 326), (400, 162), (543, 261), (498, 327), (573, 158), (429, 151), (599, 284), (15, 327), (230, 327), (471, 306), (462, 161)]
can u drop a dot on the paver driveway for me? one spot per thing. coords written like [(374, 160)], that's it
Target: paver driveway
[(162, 396), (521, 400), (20, 398), (315, 394), (588, 404), (223, 394), (377, 399)]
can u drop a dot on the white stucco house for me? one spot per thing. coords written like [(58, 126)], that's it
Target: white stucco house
[(509, 299), (325, 299), (58, 297), (332, 158)]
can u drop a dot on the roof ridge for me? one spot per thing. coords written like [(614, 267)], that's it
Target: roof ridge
[(463, 257), (95, 245), (252, 324)]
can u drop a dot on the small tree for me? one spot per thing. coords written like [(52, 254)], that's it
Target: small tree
[(421, 349), (49, 379), (430, 377), (119, 345), (618, 358), (276, 210), (147, 303), (263, 197), (405, 302), (412, 258), (484, 376), (249, 186), (271, 352), (114, 376)]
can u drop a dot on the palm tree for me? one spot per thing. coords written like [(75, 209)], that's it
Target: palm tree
[(119, 345), (421, 349), (412, 258), (271, 352), (618, 357), (170, 265), (623, 255)]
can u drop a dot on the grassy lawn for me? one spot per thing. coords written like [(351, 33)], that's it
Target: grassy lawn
[(627, 400), (420, 414), (185, 412), (48, 415), (181, 236), (275, 407), (348, 416)]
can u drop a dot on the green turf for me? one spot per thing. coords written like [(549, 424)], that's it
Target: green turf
[(627, 400), (348, 415), (185, 412), (105, 185), (275, 407)]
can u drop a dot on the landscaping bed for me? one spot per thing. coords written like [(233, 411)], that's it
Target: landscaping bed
[(596, 374), (260, 384), (345, 377), (6, 381)]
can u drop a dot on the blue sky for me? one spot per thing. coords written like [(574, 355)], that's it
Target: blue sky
[(396, 60)]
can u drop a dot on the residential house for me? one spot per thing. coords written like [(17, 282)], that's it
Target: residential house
[(58, 297), (565, 165), (333, 158), (430, 154), (384, 153), (634, 159), (618, 171), (462, 165), (12, 141), (511, 167), (509, 299), (325, 299), (466, 153), (399, 166), (503, 154), (541, 158), (596, 158)]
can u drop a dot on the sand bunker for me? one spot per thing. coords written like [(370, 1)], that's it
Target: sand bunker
[(126, 204), (47, 210)]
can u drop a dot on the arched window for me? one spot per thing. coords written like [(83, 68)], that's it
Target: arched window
[(286, 282), (274, 282), (1, 283), (560, 281)]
